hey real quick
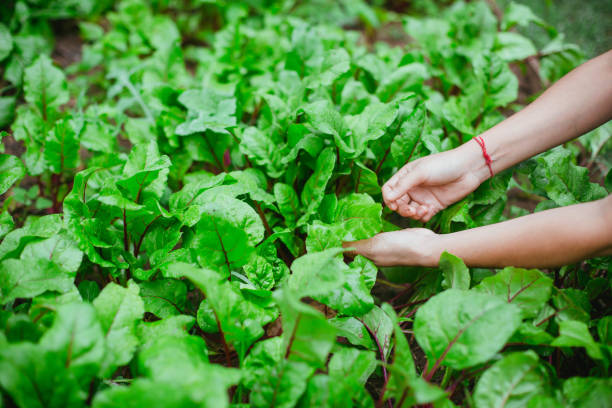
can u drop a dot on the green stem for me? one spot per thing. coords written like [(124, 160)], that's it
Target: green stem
[(446, 378)]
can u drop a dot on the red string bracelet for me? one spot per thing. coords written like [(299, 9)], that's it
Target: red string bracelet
[(486, 156)]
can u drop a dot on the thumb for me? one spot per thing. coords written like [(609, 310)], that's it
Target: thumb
[(402, 181)]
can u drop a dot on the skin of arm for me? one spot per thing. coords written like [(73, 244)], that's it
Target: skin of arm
[(549, 238), (572, 106)]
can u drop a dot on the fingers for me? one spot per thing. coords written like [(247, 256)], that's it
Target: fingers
[(412, 209), (406, 178), (429, 214), (370, 248), (415, 210), (360, 247), (405, 207)]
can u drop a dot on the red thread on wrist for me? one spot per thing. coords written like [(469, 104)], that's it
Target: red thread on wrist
[(486, 156)]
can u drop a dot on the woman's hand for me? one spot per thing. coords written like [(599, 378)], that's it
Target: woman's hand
[(425, 186), (412, 246)]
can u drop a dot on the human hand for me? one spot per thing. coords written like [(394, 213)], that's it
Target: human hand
[(411, 246), (428, 185)]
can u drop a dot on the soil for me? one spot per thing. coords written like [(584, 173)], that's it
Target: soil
[(68, 43)]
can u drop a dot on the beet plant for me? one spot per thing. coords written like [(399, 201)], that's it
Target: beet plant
[(177, 188)]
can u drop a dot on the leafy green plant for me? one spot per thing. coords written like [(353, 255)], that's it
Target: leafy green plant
[(175, 208)]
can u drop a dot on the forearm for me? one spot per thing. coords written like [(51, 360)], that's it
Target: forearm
[(576, 104), (546, 239)]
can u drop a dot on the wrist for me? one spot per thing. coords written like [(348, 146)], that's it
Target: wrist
[(431, 250), (475, 161)]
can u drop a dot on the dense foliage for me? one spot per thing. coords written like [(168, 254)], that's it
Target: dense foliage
[(175, 199)]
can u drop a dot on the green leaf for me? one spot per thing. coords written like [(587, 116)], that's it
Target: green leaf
[(11, 171), (530, 333), (58, 248), (45, 86), (144, 173), (314, 189), (410, 133), (77, 336), (352, 364), (263, 355), (366, 180), (89, 290), (281, 385), (62, 147), (576, 334), (513, 46), (604, 330), (37, 378), (225, 236), (367, 269), (240, 320), (97, 134), (144, 392), (583, 392), (35, 228), (349, 368), (307, 336), (563, 181), (499, 84), (356, 217), (236, 212), (183, 362), (456, 274), (359, 215), (324, 118), (299, 138), (6, 42), (174, 326), (164, 297), (529, 289), (475, 26), (208, 110), (26, 278), (119, 309), (354, 331), (572, 304), (182, 199), (325, 277), (250, 181), (431, 33), (460, 329), (264, 152), (329, 66), (401, 79), (404, 385), (380, 327), (318, 273), (353, 298), (6, 223), (512, 381), (7, 111), (288, 203), (169, 358), (371, 124), (519, 14)]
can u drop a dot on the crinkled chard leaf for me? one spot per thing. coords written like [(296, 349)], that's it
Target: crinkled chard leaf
[(460, 329), (512, 382), (119, 309), (11, 171), (528, 289)]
